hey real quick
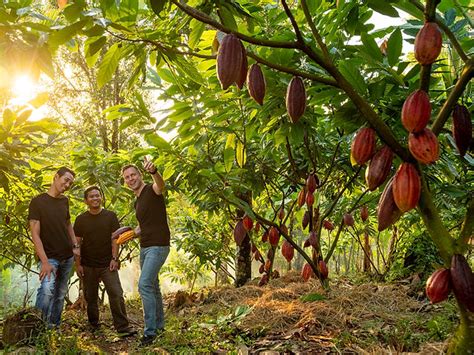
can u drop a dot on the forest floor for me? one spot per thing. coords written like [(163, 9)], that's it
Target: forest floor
[(286, 316)]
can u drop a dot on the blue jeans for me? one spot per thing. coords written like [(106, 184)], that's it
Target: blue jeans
[(151, 261), (50, 295)]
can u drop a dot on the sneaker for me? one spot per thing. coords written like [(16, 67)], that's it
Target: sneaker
[(147, 340), (127, 333)]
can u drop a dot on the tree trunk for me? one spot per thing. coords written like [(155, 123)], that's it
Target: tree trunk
[(243, 263), (462, 341), (367, 253)]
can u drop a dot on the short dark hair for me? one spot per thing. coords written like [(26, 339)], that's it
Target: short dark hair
[(91, 188), (128, 166), (63, 170)]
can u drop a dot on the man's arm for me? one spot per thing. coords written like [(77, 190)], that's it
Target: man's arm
[(158, 182), (46, 267), (115, 250), (75, 245)]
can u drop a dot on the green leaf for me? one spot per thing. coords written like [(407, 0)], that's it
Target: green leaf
[(157, 6), (312, 297), (39, 100), (351, 72), (227, 17), (229, 152), (93, 45), (108, 65), (383, 7), (394, 47), (241, 154), (8, 118), (168, 172), (156, 141), (371, 47), (129, 121), (60, 37), (197, 28)]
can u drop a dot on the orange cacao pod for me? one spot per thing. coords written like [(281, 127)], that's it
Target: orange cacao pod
[(323, 269), (311, 183), (364, 213), (125, 236), (438, 285), (406, 187), (256, 83), (462, 280), (229, 60), (387, 210), (379, 168), (416, 111), (428, 42), (247, 222), (295, 99), (239, 232), (301, 197), (243, 68), (119, 231), (273, 236), (424, 146), (348, 219), (306, 272), (328, 225), (462, 128), (363, 145), (288, 251)]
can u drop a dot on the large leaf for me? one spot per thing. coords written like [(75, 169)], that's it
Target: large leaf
[(351, 72), (63, 35), (371, 47), (240, 154), (197, 28), (394, 47), (109, 65), (229, 152)]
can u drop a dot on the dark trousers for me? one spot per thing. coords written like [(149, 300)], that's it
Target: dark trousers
[(92, 277)]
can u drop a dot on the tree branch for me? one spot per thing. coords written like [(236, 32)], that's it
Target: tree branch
[(468, 223)]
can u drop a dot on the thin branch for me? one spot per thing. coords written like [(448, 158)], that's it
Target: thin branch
[(468, 223), (314, 30)]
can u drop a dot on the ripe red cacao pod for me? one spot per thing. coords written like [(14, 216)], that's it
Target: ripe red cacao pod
[(229, 60), (462, 280), (261, 269), (265, 236), (273, 236), (323, 269), (424, 146), (387, 210), (288, 251), (438, 285), (256, 83), (379, 168), (311, 183), (462, 128), (302, 197), (313, 240), (284, 229), (305, 221), (348, 220), (406, 187), (247, 222), (243, 69), (257, 227), (416, 111), (306, 272), (328, 225), (428, 43), (281, 213), (309, 199), (363, 145), (239, 233), (295, 99), (270, 254), (364, 213)]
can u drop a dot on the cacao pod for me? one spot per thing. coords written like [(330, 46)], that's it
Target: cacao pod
[(323, 269), (416, 111), (424, 146), (264, 280), (438, 286), (428, 42), (306, 243), (261, 269), (229, 60), (383, 47), (284, 229), (363, 146), (305, 221), (281, 213), (239, 233), (311, 183), (328, 225), (462, 280), (364, 213), (268, 266), (253, 247), (379, 168), (258, 256), (273, 236), (247, 222), (125, 236), (257, 227), (301, 197), (119, 231), (309, 199), (256, 83), (406, 187), (270, 254), (288, 251), (313, 240), (243, 69), (348, 220), (7, 219), (295, 99), (306, 272), (462, 128), (387, 210), (264, 236)]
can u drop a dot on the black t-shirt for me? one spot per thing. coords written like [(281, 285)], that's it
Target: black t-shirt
[(151, 214), (96, 231), (53, 215)]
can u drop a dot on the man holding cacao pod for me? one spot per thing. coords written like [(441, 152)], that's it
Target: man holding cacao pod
[(55, 245), (99, 260), (154, 235)]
